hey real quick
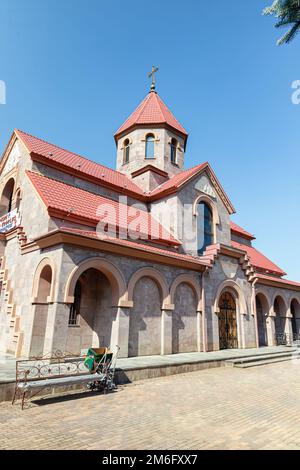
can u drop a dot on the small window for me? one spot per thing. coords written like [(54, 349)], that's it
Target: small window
[(204, 227), (150, 146), (126, 151), (75, 307), (174, 151)]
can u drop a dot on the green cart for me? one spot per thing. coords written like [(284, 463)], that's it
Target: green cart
[(98, 359), (102, 362)]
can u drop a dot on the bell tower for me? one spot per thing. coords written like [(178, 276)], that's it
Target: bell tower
[(151, 143)]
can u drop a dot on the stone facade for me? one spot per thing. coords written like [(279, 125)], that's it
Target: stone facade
[(145, 305)]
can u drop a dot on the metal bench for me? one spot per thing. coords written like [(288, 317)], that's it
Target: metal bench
[(56, 370)]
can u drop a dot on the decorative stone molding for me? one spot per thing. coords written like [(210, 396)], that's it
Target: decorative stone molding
[(42, 264), (204, 186), (156, 137), (205, 198), (192, 282), (123, 142), (15, 341), (220, 191), (22, 237), (212, 253), (247, 267), (283, 299)]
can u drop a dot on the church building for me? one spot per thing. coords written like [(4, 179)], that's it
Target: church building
[(146, 256)]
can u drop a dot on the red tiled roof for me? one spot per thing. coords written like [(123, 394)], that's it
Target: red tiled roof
[(82, 166), (138, 245), (240, 231), (151, 111), (57, 157), (176, 181), (258, 260), (78, 205)]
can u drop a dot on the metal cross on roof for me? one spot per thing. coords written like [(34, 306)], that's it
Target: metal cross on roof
[(152, 75)]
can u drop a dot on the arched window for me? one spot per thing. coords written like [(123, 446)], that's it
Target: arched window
[(75, 307), (149, 146), (126, 151), (174, 151), (205, 235)]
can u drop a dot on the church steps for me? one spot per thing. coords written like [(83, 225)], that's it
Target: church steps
[(266, 362)]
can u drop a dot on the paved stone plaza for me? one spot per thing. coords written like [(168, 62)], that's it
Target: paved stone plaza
[(225, 408)]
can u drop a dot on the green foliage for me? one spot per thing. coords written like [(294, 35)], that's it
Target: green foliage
[(288, 14)]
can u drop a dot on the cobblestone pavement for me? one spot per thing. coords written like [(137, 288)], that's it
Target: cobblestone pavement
[(225, 408)]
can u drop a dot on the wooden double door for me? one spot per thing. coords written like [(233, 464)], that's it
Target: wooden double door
[(227, 322)]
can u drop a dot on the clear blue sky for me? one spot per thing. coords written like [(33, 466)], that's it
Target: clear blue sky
[(74, 70)]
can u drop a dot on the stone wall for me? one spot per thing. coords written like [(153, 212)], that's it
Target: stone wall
[(162, 151), (228, 273), (79, 183), (176, 211), (145, 319), (184, 322)]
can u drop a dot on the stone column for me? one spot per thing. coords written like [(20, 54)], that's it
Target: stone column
[(166, 330), (40, 316), (203, 318), (254, 313), (270, 325), (288, 329), (241, 329), (200, 337), (122, 334)]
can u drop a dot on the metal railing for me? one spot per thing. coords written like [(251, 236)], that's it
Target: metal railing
[(287, 339)]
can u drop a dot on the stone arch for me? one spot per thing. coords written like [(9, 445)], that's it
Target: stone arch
[(280, 312), (192, 282), (265, 299), (44, 281), (237, 293), (212, 205), (185, 318), (284, 304), (145, 318), (112, 272), (159, 280), (7, 194), (93, 313), (232, 288), (42, 296)]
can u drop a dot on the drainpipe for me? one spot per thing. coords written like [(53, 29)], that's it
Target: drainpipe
[(254, 311)]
